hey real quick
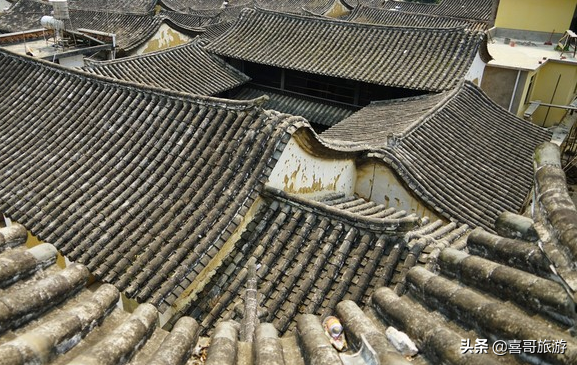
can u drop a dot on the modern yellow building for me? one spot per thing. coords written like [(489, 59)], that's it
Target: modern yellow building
[(527, 66), (536, 15)]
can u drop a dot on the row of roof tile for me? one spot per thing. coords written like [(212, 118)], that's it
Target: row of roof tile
[(390, 56), (143, 186), (186, 68), (459, 151)]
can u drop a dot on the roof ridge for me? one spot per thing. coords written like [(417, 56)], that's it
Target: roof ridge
[(346, 23), (116, 83), (195, 41), (431, 15)]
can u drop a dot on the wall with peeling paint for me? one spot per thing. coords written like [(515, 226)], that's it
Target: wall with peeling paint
[(164, 38), (337, 10), (379, 183), (298, 172)]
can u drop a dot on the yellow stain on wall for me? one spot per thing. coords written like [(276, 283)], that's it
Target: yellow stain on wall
[(379, 183), (337, 10), (166, 37), (535, 15)]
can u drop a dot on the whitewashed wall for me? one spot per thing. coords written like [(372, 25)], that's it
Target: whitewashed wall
[(299, 172), (164, 38), (475, 73)]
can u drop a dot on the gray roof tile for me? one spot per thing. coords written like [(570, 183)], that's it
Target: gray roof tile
[(466, 156), (390, 56), (186, 68)]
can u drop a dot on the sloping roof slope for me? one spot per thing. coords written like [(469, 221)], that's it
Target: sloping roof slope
[(373, 125), (464, 155), (42, 303), (114, 6), (300, 6), (186, 68), (391, 56), (143, 186), (442, 297), (371, 15), (184, 20), (315, 112), (24, 15), (131, 29), (468, 9), (311, 252)]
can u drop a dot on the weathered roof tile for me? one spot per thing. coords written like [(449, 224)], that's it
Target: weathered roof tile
[(186, 68), (389, 56)]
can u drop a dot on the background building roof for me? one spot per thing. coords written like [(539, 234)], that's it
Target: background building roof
[(390, 56), (187, 68), (375, 15)]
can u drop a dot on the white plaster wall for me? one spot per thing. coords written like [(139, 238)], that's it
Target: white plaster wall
[(475, 73), (164, 38), (3, 5), (298, 172), (379, 183)]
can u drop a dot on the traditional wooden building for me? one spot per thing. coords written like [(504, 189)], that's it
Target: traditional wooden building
[(349, 63)]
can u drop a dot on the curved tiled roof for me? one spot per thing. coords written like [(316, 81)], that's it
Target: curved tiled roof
[(24, 15), (318, 7), (370, 15), (391, 56), (465, 156), (194, 5), (448, 301), (131, 29), (190, 21), (372, 126), (42, 303), (309, 254), (468, 9), (141, 185), (114, 6), (186, 68), (215, 30), (315, 112)]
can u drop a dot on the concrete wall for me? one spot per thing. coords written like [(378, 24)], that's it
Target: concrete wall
[(379, 183), (300, 172), (535, 15), (475, 73), (555, 83), (164, 38), (499, 84)]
